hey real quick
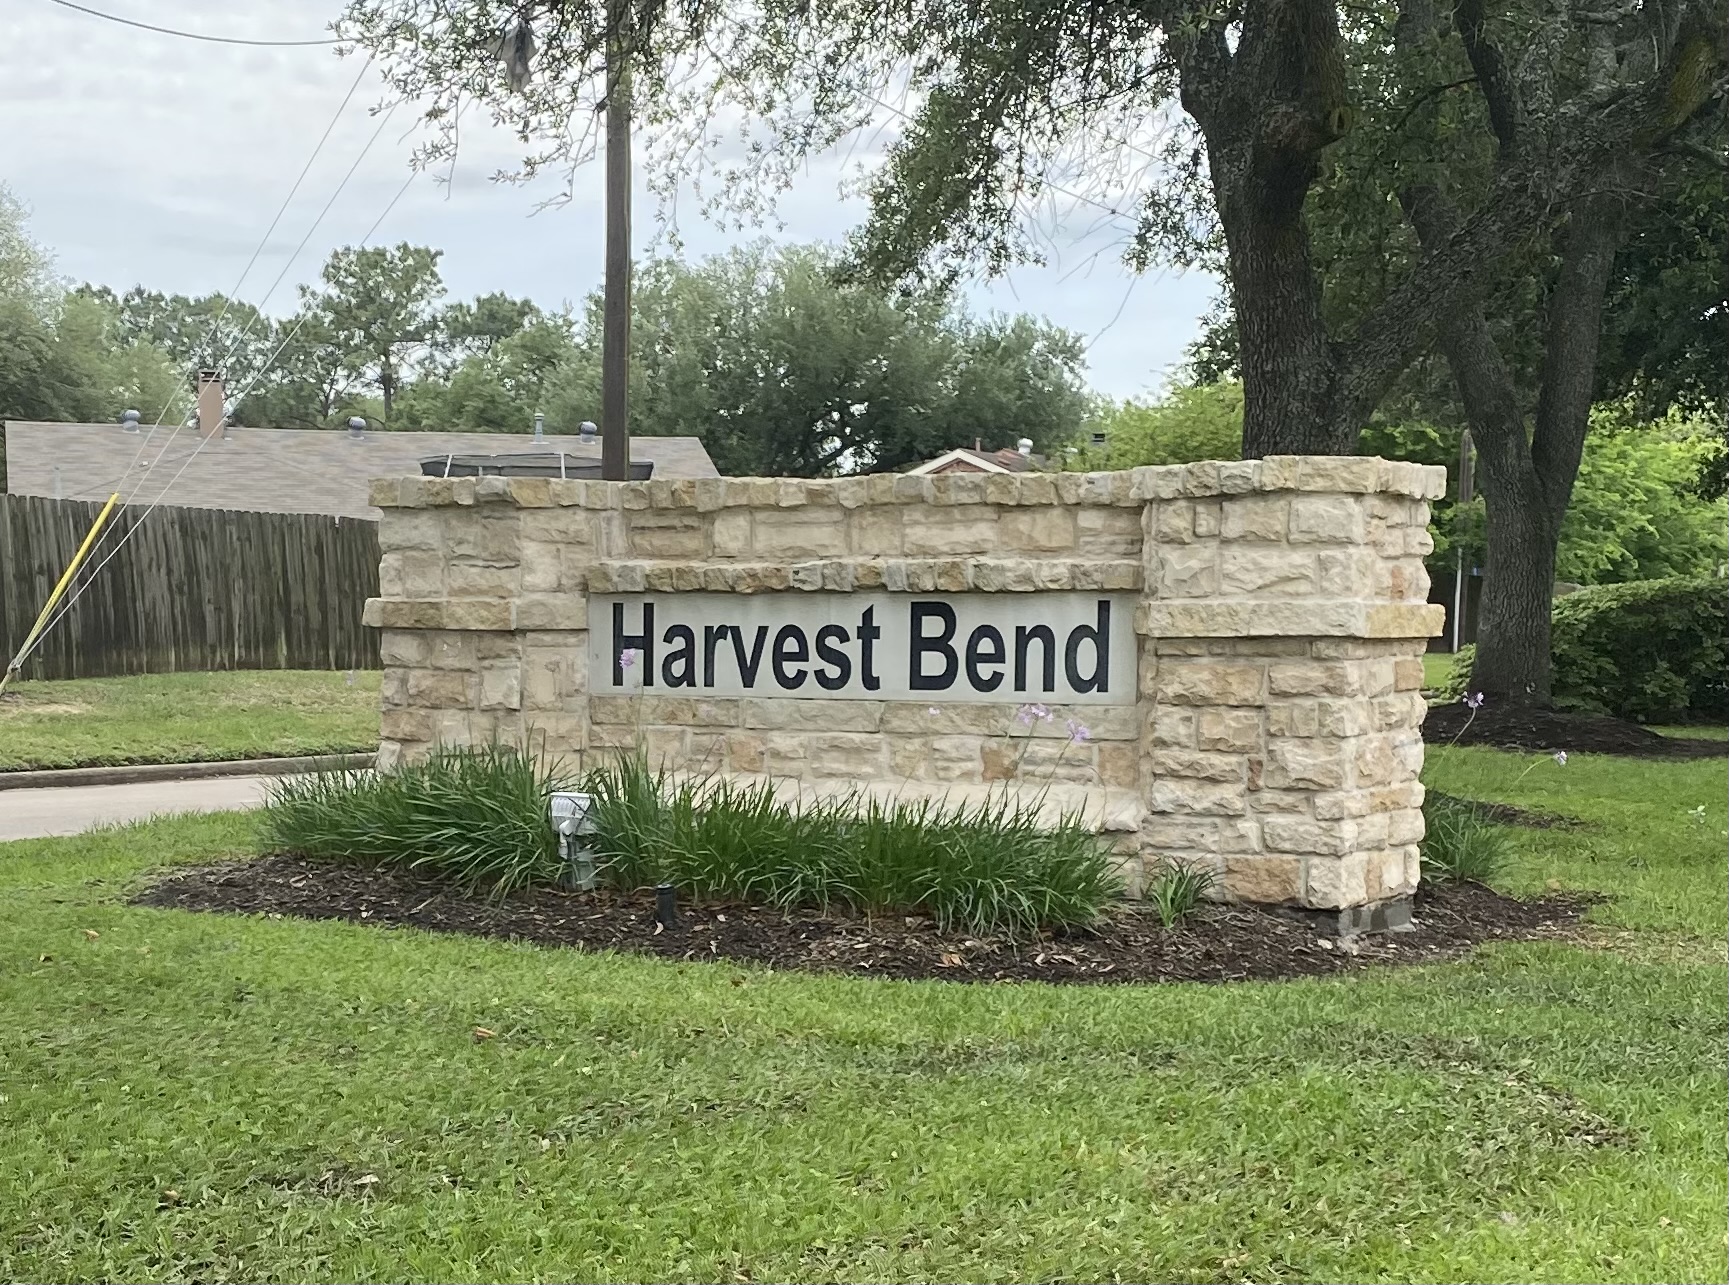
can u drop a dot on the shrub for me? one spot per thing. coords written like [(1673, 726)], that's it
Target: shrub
[(1651, 650), (476, 816), (1458, 678), (988, 868), (1177, 889), (1461, 844)]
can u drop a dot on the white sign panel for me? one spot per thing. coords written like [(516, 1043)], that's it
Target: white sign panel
[(1067, 648)]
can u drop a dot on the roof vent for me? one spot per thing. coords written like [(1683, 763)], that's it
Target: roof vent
[(539, 427), (356, 429), (129, 420), (1025, 446), (586, 431)]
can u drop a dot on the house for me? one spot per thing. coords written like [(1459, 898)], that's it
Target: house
[(1019, 459), (276, 470)]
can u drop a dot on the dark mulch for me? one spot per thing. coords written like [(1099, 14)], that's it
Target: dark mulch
[(1536, 730), (1505, 813), (1217, 943)]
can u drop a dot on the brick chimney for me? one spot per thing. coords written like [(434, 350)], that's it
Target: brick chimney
[(210, 396)]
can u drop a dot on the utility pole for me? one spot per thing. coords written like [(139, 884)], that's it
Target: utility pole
[(1465, 494), (615, 325)]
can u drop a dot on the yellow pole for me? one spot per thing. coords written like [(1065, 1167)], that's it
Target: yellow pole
[(59, 590)]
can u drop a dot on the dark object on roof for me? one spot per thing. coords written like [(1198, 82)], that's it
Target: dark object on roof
[(527, 464)]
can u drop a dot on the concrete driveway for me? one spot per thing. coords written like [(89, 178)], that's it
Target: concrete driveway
[(72, 809)]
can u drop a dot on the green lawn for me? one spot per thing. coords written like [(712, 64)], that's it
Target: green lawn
[(193, 1096), (184, 718), (1436, 666)]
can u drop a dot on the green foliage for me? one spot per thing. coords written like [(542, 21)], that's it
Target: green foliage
[(782, 367), (1188, 422), (1460, 845), (1178, 889), (990, 868), (66, 355), (1636, 513), (476, 816), (1457, 678), (1652, 650)]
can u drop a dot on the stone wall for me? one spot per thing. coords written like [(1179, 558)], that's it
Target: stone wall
[(1281, 623)]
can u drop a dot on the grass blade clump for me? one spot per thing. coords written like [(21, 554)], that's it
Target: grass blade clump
[(991, 868), (476, 816), (1461, 845), (1177, 889)]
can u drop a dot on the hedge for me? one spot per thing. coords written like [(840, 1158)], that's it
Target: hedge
[(1650, 650)]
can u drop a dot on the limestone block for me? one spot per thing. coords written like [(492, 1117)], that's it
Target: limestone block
[(410, 573), (1326, 519), (1405, 620), (1200, 765), (1207, 684), (956, 758), (1201, 478), (405, 725), (558, 526), (730, 533), (1346, 716), (1336, 882), (1165, 833), (1251, 570), (814, 715), (542, 568), (1304, 763), (498, 646), (1119, 764), (1408, 675), (1302, 835), (909, 757), (1346, 573), (1405, 826), (481, 580), (393, 688), (410, 529), (1185, 795), (850, 756), (492, 540), (1385, 874), (1238, 476), (746, 752), (1312, 678), (1041, 529), (478, 613), (1037, 488), (668, 534), (933, 532), (438, 689), (1209, 518), (501, 687), (403, 647), (550, 611), (1172, 726), (1108, 532), (1264, 880), (799, 534), (451, 651), (1173, 521), (1348, 473), (1230, 731), (1186, 571), (1255, 517)]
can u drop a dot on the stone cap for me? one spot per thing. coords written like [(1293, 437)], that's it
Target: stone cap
[(1333, 474)]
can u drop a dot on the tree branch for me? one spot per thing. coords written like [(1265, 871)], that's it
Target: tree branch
[(1499, 93)]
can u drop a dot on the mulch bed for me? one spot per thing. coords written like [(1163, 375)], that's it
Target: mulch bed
[(1545, 730), (1507, 813), (1216, 944)]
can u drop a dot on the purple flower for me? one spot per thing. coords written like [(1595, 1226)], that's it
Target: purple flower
[(1079, 732), (1474, 699), (1561, 757), (628, 657)]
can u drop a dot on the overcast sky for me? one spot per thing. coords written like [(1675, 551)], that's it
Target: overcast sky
[(146, 158)]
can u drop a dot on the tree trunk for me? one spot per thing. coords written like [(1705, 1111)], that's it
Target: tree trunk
[(1512, 663)]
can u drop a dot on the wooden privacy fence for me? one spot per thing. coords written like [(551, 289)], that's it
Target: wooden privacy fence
[(192, 589)]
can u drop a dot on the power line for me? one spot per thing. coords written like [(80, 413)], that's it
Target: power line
[(216, 322), (72, 599), (191, 35)]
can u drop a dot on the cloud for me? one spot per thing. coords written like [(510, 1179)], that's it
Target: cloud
[(146, 158)]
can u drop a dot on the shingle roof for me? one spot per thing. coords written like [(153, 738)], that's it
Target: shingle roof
[(274, 470)]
